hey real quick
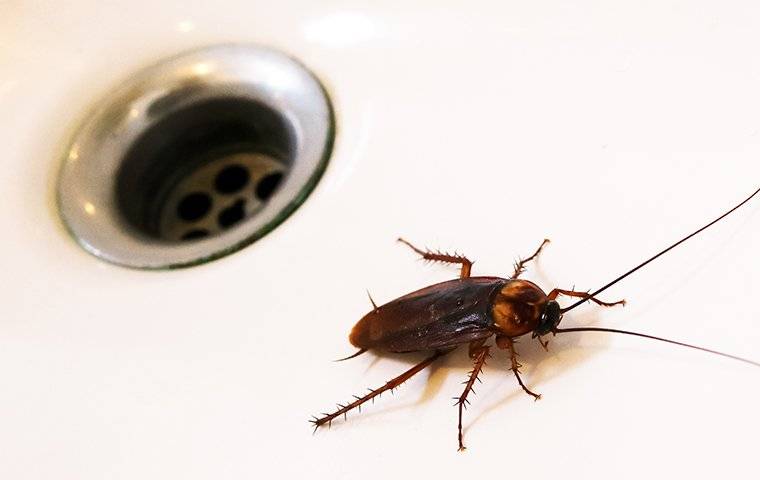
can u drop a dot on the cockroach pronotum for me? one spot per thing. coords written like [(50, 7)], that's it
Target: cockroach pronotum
[(470, 310)]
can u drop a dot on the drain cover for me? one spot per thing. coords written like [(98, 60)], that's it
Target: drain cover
[(196, 157), (219, 194)]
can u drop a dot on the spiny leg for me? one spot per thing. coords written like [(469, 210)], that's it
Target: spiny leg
[(507, 343), (443, 258), (572, 293), (479, 353), (520, 266), (390, 385)]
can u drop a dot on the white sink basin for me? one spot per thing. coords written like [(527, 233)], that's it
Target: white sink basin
[(613, 130)]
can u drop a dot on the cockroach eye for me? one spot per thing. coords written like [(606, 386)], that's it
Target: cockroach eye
[(549, 318)]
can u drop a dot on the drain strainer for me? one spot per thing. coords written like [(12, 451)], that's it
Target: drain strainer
[(196, 157), (219, 195)]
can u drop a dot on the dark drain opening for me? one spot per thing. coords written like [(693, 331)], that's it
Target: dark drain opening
[(194, 206), (231, 179), (232, 215), (204, 168), (195, 234), (268, 185)]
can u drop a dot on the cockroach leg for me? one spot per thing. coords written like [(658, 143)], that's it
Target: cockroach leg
[(507, 343), (475, 347), (390, 385), (443, 258), (479, 353), (520, 265), (571, 293)]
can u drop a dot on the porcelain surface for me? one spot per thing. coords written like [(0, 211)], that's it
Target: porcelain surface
[(612, 129)]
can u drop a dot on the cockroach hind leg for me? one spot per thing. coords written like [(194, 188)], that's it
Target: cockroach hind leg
[(342, 410)]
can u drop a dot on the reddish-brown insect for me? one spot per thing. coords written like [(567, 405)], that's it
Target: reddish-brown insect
[(470, 310)]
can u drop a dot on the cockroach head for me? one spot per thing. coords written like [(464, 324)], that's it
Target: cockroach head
[(549, 320)]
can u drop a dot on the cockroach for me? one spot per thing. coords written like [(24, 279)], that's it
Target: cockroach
[(470, 310)]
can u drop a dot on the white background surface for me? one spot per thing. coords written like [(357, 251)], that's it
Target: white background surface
[(612, 130)]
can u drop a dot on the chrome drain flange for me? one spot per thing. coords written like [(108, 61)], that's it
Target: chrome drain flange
[(196, 157)]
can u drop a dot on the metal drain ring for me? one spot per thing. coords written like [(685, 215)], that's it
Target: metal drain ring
[(118, 165)]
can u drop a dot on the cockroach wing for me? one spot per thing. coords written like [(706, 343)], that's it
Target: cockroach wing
[(439, 316)]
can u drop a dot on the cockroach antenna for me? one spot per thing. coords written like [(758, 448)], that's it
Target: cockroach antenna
[(655, 257), (556, 330), (652, 337)]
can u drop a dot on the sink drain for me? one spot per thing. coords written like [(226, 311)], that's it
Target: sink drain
[(196, 157), (219, 195)]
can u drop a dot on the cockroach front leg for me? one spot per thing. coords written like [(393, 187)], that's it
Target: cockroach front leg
[(479, 353), (572, 293), (506, 343), (520, 265), (390, 385), (443, 258)]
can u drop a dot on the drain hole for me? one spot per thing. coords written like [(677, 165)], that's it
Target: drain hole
[(194, 207), (195, 234), (182, 167), (231, 179), (232, 215), (268, 185)]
